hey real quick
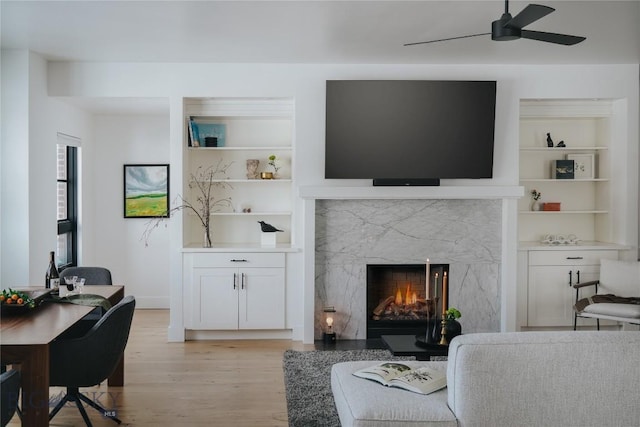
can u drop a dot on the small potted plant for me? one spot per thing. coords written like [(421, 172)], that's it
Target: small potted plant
[(453, 327), (274, 163), (536, 205)]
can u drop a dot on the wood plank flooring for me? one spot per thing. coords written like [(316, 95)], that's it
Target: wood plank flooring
[(196, 383)]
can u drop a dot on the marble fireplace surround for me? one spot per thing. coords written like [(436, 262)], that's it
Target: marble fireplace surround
[(353, 227)]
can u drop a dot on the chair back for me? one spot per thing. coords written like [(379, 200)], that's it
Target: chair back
[(93, 275), (88, 360), (620, 278), (9, 390)]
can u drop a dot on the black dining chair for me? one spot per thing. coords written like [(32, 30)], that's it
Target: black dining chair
[(9, 391), (90, 359), (92, 276)]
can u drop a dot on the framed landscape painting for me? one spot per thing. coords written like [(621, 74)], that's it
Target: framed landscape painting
[(146, 191)]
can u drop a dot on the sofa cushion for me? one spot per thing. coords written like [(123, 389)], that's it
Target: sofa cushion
[(627, 311), (365, 403)]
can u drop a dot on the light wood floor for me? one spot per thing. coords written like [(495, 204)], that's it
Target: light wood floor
[(196, 383)]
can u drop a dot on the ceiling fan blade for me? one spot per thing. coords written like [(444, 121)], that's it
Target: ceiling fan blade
[(564, 39), (529, 14), (450, 38)]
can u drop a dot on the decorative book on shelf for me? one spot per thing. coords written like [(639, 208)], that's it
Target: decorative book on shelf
[(206, 134)]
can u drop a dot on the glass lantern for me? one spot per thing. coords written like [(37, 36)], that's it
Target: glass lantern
[(328, 335)]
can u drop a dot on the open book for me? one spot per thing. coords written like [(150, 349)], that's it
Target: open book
[(421, 380)]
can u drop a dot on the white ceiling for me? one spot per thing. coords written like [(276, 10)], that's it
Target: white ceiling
[(313, 31), (322, 31)]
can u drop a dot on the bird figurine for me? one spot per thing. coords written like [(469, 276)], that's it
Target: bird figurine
[(549, 140), (267, 228)]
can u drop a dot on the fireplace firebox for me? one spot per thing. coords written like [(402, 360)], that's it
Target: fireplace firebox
[(398, 301)]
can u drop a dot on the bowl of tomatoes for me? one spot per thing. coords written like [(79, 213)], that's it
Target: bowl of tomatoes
[(18, 301)]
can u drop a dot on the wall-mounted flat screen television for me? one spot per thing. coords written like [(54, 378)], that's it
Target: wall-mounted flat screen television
[(409, 130)]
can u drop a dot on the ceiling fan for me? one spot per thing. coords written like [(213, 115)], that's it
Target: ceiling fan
[(511, 28)]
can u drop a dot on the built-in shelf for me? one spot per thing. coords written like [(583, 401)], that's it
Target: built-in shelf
[(249, 247), (563, 212), (563, 180), (244, 148), (586, 128), (252, 181), (582, 245), (250, 213), (254, 129), (552, 149)]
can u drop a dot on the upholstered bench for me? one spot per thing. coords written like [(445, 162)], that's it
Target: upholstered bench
[(362, 402)]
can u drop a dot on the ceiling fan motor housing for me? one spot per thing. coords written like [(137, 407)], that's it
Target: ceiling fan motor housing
[(500, 32)]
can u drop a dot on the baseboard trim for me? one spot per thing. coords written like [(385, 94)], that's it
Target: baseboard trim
[(195, 335)]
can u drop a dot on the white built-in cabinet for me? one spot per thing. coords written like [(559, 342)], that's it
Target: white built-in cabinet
[(239, 283), (235, 291), (547, 271), (551, 275)]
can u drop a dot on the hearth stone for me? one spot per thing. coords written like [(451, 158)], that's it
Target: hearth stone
[(466, 234)]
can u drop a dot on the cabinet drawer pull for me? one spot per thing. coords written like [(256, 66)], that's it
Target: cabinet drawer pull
[(575, 257), (239, 260)]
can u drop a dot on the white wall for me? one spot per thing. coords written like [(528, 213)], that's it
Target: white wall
[(306, 84), (30, 123), (116, 241), (14, 226)]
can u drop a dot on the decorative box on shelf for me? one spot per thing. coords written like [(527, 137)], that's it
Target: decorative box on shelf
[(268, 240), (551, 206)]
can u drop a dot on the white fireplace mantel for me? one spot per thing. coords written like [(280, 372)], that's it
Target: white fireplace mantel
[(328, 192)]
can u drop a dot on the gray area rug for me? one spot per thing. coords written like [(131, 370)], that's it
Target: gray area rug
[(307, 382)]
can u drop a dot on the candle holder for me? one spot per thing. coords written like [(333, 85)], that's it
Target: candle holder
[(443, 331), (432, 321)]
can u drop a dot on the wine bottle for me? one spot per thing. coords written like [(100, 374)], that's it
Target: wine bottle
[(52, 277)]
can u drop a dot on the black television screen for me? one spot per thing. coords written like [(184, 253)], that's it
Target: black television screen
[(409, 129)]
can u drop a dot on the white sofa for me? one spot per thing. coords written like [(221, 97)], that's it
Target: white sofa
[(564, 379)]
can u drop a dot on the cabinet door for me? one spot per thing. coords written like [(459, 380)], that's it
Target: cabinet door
[(215, 298), (551, 298), (262, 303)]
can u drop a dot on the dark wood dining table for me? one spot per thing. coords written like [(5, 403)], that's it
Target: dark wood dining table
[(25, 339)]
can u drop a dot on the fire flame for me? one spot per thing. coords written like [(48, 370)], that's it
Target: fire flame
[(410, 297), (398, 297)]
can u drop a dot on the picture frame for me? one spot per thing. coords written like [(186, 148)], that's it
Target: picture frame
[(562, 169), (584, 165), (146, 191)]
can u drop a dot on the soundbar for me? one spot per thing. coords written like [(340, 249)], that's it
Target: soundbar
[(402, 182)]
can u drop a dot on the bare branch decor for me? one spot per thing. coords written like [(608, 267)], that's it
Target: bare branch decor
[(204, 179)]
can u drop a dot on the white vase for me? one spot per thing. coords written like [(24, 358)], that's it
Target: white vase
[(536, 205)]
